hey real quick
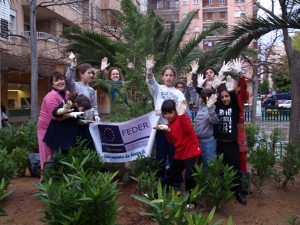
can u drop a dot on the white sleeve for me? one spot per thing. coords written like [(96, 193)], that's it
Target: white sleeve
[(70, 81), (153, 87)]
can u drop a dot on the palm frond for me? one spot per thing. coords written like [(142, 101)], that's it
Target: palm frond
[(250, 29)]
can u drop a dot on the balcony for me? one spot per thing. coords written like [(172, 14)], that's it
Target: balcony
[(42, 36)]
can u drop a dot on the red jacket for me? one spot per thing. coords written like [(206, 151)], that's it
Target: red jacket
[(183, 137), (242, 97)]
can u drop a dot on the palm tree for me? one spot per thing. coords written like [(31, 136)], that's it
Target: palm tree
[(250, 29), (142, 35)]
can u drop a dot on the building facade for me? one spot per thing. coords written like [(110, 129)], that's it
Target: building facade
[(15, 64)]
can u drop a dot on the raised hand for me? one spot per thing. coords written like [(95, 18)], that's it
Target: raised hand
[(150, 62), (161, 127), (229, 83), (211, 100), (218, 80), (195, 66), (104, 63), (200, 80), (66, 108), (226, 67), (237, 65), (189, 79), (76, 114), (73, 63), (180, 109)]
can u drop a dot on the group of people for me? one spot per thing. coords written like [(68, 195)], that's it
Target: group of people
[(218, 126), (69, 107)]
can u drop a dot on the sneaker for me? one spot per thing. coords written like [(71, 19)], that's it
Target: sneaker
[(190, 207), (241, 198)]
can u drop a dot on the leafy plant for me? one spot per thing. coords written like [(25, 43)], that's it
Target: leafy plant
[(262, 160), (7, 166), (274, 139), (56, 169), (83, 196), (169, 208), (144, 164), (217, 182), (3, 194), (147, 182), (19, 156), (252, 134), (290, 165), (293, 219)]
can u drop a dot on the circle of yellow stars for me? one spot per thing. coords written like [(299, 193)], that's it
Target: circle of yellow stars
[(109, 134)]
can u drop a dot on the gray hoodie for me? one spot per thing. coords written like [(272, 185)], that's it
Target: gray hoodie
[(205, 120)]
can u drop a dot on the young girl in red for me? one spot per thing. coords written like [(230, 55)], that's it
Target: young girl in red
[(180, 133)]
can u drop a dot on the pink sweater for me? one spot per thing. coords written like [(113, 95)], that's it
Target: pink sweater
[(50, 101)]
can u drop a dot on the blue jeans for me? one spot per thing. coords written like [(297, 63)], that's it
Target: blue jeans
[(208, 151), (165, 151)]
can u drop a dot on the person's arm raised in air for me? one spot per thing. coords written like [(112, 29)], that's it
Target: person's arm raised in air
[(70, 74), (150, 79)]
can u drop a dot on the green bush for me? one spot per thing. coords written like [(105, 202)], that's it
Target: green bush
[(147, 182), (262, 160), (7, 166), (90, 160), (216, 183), (252, 134), (169, 208), (290, 165), (81, 197), (20, 157), (3, 194), (24, 137), (144, 164)]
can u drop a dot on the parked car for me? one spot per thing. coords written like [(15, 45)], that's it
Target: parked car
[(286, 104)]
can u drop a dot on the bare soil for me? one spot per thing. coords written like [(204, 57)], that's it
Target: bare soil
[(268, 208)]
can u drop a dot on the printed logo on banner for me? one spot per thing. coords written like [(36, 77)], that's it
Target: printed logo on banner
[(111, 139)]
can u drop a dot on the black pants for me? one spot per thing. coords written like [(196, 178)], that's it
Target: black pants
[(231, 153), (175, 171)]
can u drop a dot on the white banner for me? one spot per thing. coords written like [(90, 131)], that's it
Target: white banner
[(124, 141)]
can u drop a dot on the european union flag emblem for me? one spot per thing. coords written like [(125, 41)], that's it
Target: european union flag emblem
[(110, 134)]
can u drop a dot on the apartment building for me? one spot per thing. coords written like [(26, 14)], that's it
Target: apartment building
[(15, 65)]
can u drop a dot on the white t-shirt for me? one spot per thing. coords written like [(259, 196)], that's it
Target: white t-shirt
[(160, 93)]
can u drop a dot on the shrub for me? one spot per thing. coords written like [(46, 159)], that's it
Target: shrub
[(81, 197), (90, 160), (4, 193), (216, 183), (252, 133), (290, 165), (144, 164), (7, 166), (147, 182), (262, 160), (20, 158), (169, 208)]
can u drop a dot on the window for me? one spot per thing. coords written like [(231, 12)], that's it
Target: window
[(174, 5), (184, 15), (222, 15), (239, 1), (26, 27), (222, 2), (185, 2), (239, 13), (13, 21), (209, 2), (197, 29), (160, 4), (196, 1), (209, 16)]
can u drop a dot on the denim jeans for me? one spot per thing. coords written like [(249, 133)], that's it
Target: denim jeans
[(208, 151)]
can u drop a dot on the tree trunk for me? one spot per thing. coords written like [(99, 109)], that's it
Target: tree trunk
[(34, 61), (254, 94), (294, 67)]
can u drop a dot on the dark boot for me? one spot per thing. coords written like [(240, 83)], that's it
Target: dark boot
[(245, 183), (240, 198)]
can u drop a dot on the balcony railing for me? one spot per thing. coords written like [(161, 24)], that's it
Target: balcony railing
[(41, 36)]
